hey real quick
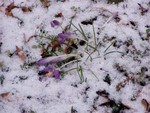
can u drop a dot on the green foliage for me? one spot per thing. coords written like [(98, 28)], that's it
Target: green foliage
[(32, 111), (115, 1), (2, 78), (148, 31), (1, 64)]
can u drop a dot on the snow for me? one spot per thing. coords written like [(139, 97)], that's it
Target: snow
[(27, 93)]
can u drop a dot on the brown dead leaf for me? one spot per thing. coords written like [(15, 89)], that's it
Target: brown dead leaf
[(123, 83), (20, 53), (59, 15), (4, 94), (145, 104), (31, 38), (26, 9), (45, 3), (9, 8), (8, 13), (18, 49)]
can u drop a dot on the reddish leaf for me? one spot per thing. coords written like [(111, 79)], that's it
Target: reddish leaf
[(9, 8), (45, 3), (145, 104), (20, 53), (4, 94), (59, 15), (26, 9), (8, 13)]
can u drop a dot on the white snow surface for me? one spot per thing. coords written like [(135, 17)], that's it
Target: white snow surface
[(59, 96)]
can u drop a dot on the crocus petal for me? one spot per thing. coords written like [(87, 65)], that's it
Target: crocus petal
[(64, 35), (60, 40), (43, 61), (55, 59), (50, 60), (56, 74), (46, 70), (54, 23)]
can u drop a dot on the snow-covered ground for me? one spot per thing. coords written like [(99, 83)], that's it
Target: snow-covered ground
[(109, 67)]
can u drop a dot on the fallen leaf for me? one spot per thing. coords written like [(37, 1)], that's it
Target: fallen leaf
[(145, 104), (8, 13), (45, 3), (26, 9), (20, 53), (9, 8), (59, 15), (4, 94), (18, 49)]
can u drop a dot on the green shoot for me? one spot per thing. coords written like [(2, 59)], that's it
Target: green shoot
[(69, 63), (109, 46), (1, 64), (69, 70), (89, 56), (93, 74), (113, 52), (95, 41), (83, 34), (80, 73), (2, 78), (82, 31)]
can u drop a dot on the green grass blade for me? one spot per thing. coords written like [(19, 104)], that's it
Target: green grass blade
[(109, 46)]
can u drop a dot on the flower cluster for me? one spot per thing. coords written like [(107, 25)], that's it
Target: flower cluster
[(50, 65), (49, 69), (61, 36), (50, 62), (54, 23)]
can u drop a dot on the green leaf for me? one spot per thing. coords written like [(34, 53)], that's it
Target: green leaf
[(32, 111), (2, 79), (115, 1), (1, 64), (147, 31)]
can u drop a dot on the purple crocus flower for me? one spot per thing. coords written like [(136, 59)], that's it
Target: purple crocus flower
[(54, 59), (54, 23), (56, 74), (50, 60), (62, 36), (46, 70), (50, 71)]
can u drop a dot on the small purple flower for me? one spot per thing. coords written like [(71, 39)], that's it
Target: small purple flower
[(60, 40), (54, 59), (56, 74), (50, 60), (54, 23), (62, 36), (46, 70), (50, 71)]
